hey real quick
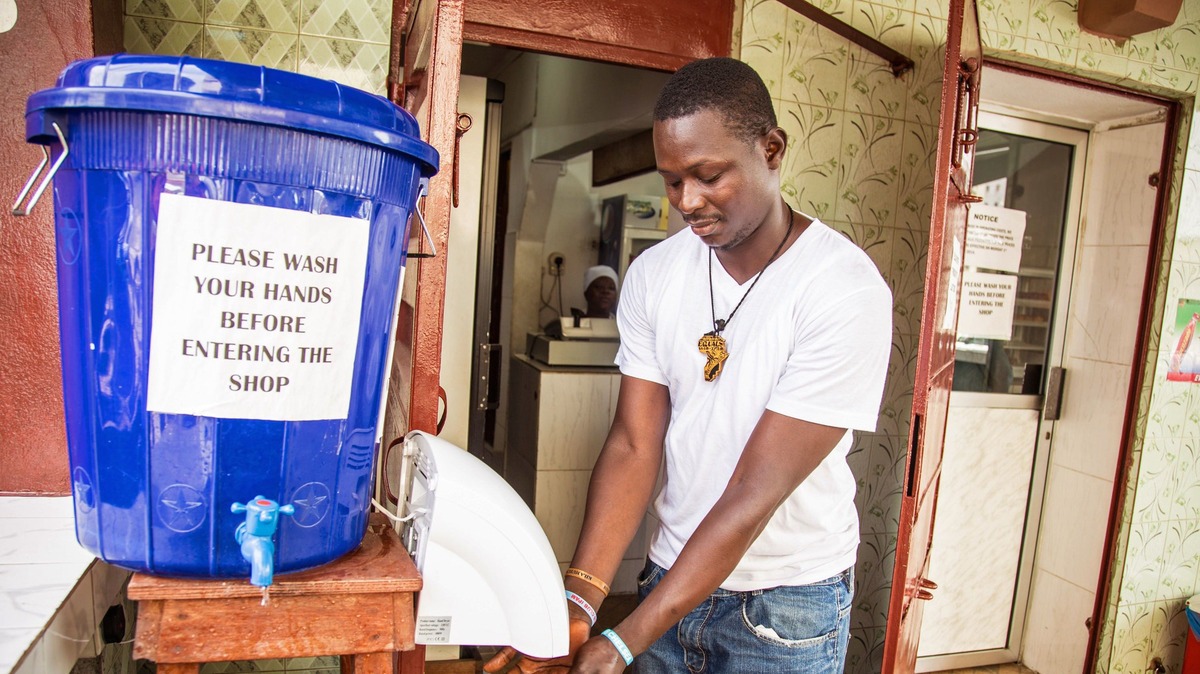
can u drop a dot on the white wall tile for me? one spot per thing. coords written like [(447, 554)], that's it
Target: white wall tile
[(1106, 303), (71, 631), (574, 416), (1055, 635), (627, 575), (24, 506), (1087, 437), (1120, 205), (560, 506), (1074, 522)]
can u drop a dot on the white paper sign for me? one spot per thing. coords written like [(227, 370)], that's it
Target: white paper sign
[(994, 238), (256, 311), (987, 305), (952, 285)]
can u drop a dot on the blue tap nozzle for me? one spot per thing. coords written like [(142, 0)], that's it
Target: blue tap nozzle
[(254, 535)]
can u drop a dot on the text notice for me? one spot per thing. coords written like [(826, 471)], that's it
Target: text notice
[(256, 310)]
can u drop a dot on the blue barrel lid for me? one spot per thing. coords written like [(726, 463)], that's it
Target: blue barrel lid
[(209, 88)]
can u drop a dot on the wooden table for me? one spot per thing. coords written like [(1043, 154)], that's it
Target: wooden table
[(359, 607)]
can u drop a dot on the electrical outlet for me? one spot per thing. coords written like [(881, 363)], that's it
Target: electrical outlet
[(554, 263)]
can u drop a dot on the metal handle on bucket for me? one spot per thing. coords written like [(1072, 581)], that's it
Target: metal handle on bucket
[(421, 216), (17, 209)]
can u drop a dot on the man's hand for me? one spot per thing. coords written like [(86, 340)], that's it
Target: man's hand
[(580, 630), (598, 656)]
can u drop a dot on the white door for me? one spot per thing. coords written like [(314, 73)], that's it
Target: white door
[(997, 439)]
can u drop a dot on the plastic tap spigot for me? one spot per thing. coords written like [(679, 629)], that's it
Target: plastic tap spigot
[(254, 535)]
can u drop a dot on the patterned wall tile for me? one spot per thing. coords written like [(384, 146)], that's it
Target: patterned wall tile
[(1165, 79), (159, 36), (1177, 45), (878, 469), (1052, 53), (176, 10), (888, 24), (1132, 637), (764, 30), (1100, 61), (875, 239), (907, 276), (873, 580), (1184, 494), (867, 177), (934, 8), (1144, 562), (871, 88), (1169, 633), (1181, 549), (1155, 471), (813, 160), (928, 52), (276, 15), (865, 654), (368, 20), (896, 411), (1053, 21), (258, 47), (356, 64), (814, 64), (996, 43), (1011, 18)]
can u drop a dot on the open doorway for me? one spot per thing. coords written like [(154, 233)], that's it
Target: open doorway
[(518, 261), (1037, 418)]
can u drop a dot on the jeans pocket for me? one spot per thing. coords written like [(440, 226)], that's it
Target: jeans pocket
[(803, 616), (648, 578)]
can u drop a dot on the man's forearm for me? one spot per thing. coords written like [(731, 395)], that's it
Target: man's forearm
[(620, 490)]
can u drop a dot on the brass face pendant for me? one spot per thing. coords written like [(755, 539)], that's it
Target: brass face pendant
[(712, 345)]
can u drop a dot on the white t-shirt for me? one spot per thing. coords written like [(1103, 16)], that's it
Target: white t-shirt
[(811, 341)]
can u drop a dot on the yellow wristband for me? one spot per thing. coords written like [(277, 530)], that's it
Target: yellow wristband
[(589, 578)]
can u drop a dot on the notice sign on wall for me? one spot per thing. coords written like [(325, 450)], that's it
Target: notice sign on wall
[(256, 311), (987, 305), (994, 238)]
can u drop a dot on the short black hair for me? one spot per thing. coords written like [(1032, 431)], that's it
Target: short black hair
[(725, 85)]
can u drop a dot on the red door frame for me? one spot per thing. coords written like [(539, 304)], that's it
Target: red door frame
[(957, 133)]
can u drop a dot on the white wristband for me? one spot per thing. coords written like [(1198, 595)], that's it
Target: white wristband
[(620, 644), (583, 604)]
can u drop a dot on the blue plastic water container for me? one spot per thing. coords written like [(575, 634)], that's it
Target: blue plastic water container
[(153, 490)]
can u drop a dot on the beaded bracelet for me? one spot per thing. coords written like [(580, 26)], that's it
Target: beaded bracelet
[(589, 578), (620, 645), (583, 604)]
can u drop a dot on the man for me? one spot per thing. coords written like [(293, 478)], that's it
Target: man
[(750, 345), (599, 291)]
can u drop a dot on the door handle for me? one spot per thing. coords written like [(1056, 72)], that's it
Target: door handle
[(1052, 409)]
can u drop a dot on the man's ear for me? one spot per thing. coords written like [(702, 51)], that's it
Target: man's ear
[(775, 145)]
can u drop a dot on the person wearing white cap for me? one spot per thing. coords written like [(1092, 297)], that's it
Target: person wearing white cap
[(600, 291)]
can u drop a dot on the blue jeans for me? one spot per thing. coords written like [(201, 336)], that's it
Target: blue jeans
[(801, 629)]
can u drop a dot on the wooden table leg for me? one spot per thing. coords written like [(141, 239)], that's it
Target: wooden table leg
[(179, 668), (368, 663)]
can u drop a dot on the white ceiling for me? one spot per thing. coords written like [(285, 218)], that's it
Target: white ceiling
[(1086, 106)]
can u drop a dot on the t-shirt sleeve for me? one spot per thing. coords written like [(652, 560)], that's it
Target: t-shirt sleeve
[(636, 356), (839, 361)]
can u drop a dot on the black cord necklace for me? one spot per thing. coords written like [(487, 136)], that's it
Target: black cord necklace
[(712, 344)]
